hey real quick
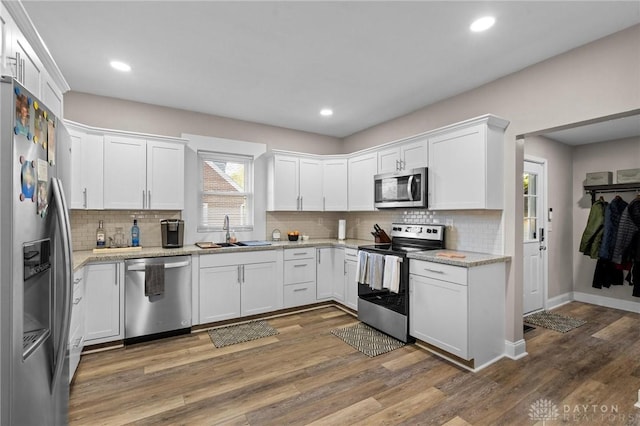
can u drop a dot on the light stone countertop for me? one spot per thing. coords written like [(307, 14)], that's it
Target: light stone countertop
[(470, 259), (81, 258)]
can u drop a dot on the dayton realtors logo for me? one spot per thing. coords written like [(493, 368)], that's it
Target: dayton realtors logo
[(545, 410)]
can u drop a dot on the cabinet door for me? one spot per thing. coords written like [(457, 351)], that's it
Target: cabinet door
[(51, 94), (337, 274), (362, 169), (124, 173), (87, 169), (285, 183), (29, 66), (165, 175), (324, 273), (438, 313), (310, 184), (219, 293), (334, 185), (457, 173), (350, 285), (414, 154), (102, 297), (389, 160), (259, 291)]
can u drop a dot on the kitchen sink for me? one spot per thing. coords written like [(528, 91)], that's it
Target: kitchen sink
[(228, 244)]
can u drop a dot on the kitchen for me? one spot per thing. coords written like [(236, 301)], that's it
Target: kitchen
[(502, 236)]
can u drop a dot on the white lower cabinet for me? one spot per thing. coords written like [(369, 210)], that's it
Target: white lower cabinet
[(459, 310), (104, 314), (329, 274), (77, 325), (350, 283), (299, 276), (238, 284)]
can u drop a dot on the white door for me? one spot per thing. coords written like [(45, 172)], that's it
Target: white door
[(534, 237)]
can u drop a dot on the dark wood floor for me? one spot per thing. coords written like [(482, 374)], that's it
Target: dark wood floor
[(305, 375)]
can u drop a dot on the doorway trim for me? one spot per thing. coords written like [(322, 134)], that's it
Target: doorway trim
[(548, 227)]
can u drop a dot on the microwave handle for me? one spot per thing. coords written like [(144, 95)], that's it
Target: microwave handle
[(410, 187)]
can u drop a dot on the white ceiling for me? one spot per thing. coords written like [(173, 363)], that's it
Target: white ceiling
[(601, 131), (278, 63)]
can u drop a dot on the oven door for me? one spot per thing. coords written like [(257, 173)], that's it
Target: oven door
[(398, 302), (401, 189)]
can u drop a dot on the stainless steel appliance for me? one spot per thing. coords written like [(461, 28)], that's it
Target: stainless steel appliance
[(172, 233), (407, 188), (35, 263), (157, 295), (388, 309)]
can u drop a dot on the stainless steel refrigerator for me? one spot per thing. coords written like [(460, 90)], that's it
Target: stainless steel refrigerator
[(35, 262)]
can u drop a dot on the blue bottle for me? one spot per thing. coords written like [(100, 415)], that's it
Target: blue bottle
[(135, 234)]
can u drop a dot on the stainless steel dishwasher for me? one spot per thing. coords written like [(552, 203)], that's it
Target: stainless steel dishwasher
[(169, 309)]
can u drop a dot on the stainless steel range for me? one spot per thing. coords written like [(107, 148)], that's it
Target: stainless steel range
[(383, 277)]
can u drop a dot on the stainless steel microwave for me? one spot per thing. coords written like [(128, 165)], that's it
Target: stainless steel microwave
[(407, 188)]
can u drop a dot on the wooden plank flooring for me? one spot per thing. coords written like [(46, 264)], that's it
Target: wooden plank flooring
[(305, 375)]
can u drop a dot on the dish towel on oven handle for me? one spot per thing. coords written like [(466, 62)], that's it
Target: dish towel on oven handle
[(362, 268), (391, 276), (376, 270)]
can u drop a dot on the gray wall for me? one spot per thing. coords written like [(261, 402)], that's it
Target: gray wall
[(598, 157)]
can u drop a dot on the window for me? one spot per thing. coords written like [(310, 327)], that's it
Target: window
[(226, 188), (530, 186)]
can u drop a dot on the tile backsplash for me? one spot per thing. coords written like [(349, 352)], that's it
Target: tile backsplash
[(469, 230), (85, 222)]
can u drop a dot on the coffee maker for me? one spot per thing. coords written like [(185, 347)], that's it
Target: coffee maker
[(172, 233)]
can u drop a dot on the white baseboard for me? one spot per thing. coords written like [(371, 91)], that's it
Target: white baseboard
[(608, 302), (515, 350), (557, 301)]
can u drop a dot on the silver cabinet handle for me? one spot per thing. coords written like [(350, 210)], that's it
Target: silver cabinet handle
[(437, 271), (301, 265), (239, 281), (148, 199), (300, 253), (301, 204), (77, 342), (24, 73), (77, 280), (324, 203), (77, 300), (143, 198), (141, 266), (243, 273), (84, 196), (344, 268), (319, 256), (299, 289)]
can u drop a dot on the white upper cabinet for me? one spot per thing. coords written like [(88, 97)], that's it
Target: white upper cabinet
[(165, 175), (466, 165), (334, 184), (86, 170), (24, 57), (295, 183), (403, 156), (143, 174), (311, 195), (362, 169)]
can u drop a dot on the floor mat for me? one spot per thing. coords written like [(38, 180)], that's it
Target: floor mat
[(553, 321), (367, 340), (239, 333)]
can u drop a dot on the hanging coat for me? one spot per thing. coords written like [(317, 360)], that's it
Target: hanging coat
[(592, 235), (629, 225), (612, 215)]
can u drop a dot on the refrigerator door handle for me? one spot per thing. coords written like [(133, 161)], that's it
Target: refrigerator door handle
[(65, 231)]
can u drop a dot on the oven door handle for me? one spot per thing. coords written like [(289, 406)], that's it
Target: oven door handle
[(410, 187)]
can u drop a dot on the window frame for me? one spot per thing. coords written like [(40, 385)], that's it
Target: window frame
[(213, 156)]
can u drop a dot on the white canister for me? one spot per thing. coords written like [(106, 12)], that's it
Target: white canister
[(342, 229)]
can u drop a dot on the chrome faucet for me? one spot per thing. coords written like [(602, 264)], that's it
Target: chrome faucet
[(225, 227)]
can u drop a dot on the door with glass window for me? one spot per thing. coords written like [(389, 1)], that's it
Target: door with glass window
[(534, 237)]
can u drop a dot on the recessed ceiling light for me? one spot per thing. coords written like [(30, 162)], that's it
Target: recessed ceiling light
[(326, 112), (120, 66), (482, 24)]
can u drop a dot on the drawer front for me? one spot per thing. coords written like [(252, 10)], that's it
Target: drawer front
[(351, 254), (299, 271), (439, 271), (76, 344), (300, 253), (299, 294), (237, 258)]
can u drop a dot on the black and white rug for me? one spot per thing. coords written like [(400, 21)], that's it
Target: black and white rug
[(553, 321), (239, 333), (367, 340)]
